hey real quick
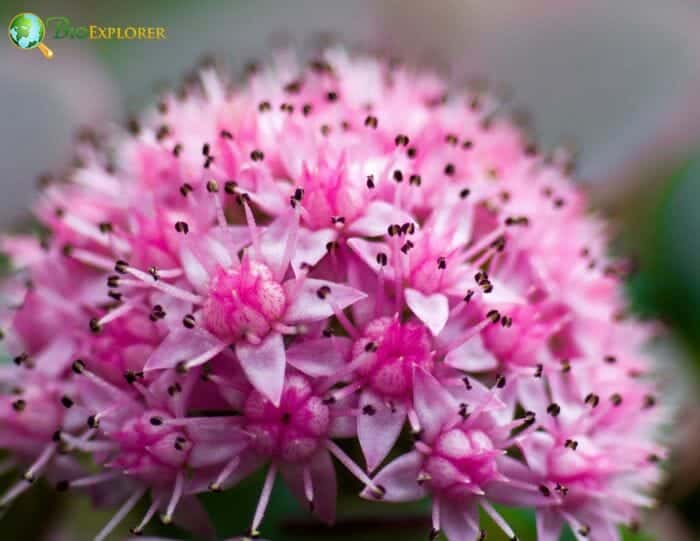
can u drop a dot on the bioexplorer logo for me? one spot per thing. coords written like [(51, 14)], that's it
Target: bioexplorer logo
[(27, 31)]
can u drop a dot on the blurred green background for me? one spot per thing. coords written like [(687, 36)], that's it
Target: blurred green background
[(620, 80)]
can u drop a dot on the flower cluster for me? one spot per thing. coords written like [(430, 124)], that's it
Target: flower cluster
[(250, 274)]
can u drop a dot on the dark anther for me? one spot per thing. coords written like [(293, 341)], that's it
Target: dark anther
[(188, 321), (298, 194), (592, 399), (95, 325), (571, 444), (370, 347), (610, 359), (401, 140), (19, 405), (463, 410), (230, 187), (449, 169), (406, 246), (649, 401), (208, 162), (180, 442), (120, 266), (257, 156), (156, 421), (93, 421), (382, 259), (177, 149), (185, 189), (464, 193), (616, 399), (441, 263), (398, 175), (451, 139), (105, 227), (494, 316), (415, 180), (162, 132), (372, 122), (554, 409), (500, 382), (264, 106), (226, 134), (306, 109), (332, 96), (539, 369), (182, 227), (78, 366), (66, 401), (467, 383), (21, 359), (323, 291), (370, 181), (411, 152), (369, 409), (545, 491), (133, 126), (293, 88), (212, 186)]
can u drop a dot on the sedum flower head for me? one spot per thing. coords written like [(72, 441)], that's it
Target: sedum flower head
[(250, 274)]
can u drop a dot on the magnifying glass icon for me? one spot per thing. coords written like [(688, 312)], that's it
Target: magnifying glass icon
[(27, 31)]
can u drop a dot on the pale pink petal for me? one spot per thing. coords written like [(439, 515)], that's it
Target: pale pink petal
[(273, 242), (536, 447), (320, 356), (471, 356), (183, 345), (311, 303), (549, 525), (56, 357), (378, 216), (323, 482), (433, 404), (368, 252), (459, 520), (379, 430), (400, 480), (264, 364), (311, 247), (433, 310)]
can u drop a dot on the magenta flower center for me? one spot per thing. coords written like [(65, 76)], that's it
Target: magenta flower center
[(394, 348), (461, 460), (244, 301), (150, 448), (296, 430)]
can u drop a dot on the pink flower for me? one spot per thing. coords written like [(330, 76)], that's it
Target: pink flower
[(342, 251)]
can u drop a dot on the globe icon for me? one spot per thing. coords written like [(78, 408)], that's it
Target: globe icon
[(27, 31)]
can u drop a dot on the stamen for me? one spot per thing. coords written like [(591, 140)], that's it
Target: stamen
[(120, 514), (498, 519), (264, 499), (225, 474), (170, 289), (174, 499), (350, 465), (155, 504), (308, 486)]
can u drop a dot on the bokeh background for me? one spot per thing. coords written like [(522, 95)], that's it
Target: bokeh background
[(620, 81)]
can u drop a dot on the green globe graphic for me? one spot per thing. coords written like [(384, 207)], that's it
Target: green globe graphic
[(26, 30)]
